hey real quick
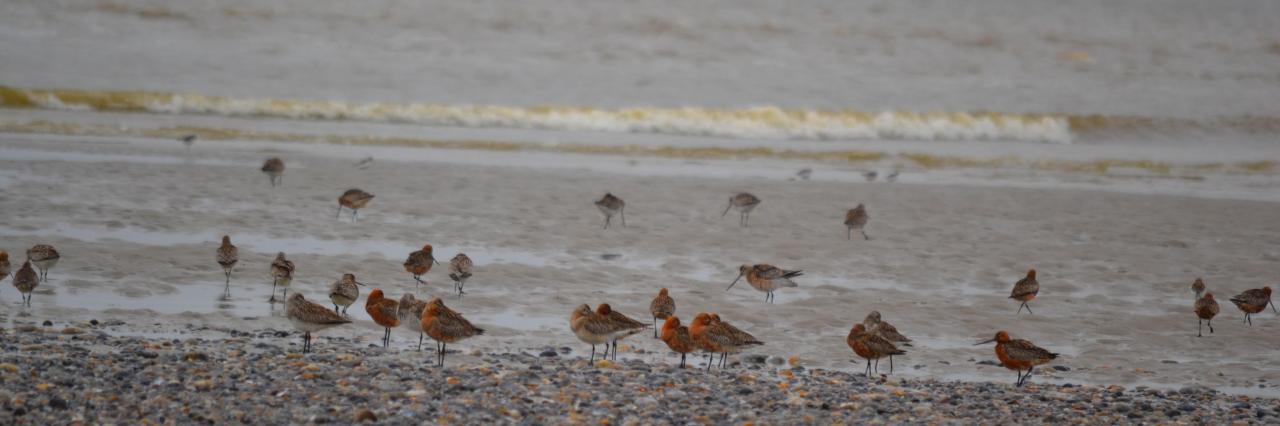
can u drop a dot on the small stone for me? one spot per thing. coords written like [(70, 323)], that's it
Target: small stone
[(9, 368), (565, 350), (1168, 361), (1061, 368), (93, 322), (196, 356), (47, 323), (365, 415), (989, 362), (548, 353), (754, 359), (777, 360), (57, 403)]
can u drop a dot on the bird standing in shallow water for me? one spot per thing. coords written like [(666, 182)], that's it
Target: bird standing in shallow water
[(383, 312), (856, 218), (228, 255), (1206, 309), (44, 257), (410, 314), (1024, 290), (611, 205), (661, 307), (446, 326), (871, 346), (355, 200), (419, 263), (621, 326), (744, 203), (309, 317), (589, 327), (26, 280), (677, 338), (344, 292), (274, 168), (459, 271), (718, 337), (875, 325), (766, 278), (188, 140), (1019, 354), (281, 275), (1253, 301)]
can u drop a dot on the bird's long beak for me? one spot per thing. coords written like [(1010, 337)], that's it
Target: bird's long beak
[(984, 342), (360, 283), (726, 209), (735, 281), (436, 261)]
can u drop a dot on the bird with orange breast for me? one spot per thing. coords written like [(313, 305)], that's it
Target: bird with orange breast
[(383, 312), (1206, 309), (1025, 290), (420, 262), (355, 200), (1019, 354), (661, 307), (621, 325), (590, 327), (1253, 301), (677, 338), (718, 337), (446, 326), (766, 278), (871, 346)]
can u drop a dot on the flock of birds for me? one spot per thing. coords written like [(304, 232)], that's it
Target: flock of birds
[(872, 339)]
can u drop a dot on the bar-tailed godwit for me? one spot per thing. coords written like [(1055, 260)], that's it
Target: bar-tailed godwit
[(1198, 288), (677, 338), (228, 255), (893, 176), (871, 175), (871, 346), (1253, 301), (281, 275), (344, 292), (590, 327), (188, 140), (459, 271), (739, 339), (1019, 354), (274, 168), (611, 205), (26, 280), (621, 325), (310, 317), (419, 263), (383, 312), (875, 325), (1206, 309), (766, 278), (355, 200), (856, 218), (1024, 290), (718, 337), (661, 307), (446, 326), (410, 314), (744, 203), (44, 258)]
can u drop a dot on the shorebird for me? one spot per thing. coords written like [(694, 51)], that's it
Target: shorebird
[(4, 264), (26, 280), (1025, 290), (274, 168), (738, 337), (874, 325), (766, 278), (661, 307), (714, 336), (893, 176), (611, 205), (1206, 309), (419, 263), (459, 271), (281, 274), (446, 326), (355, 200), (804, 174), (188, 140), (228, 255), (677, 338), (383, 312), (1019, 354), (871, 346), (1253, 301), (621, 325), (344, 292), (1198, 288), (363, 164), (410, 314), (590, 327), (744, 203), (310, 317), (871, 175), (44, 258), (856, 218)]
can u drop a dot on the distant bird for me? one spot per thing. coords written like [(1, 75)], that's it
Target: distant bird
[(871, 346), (4, 264), (281, 274), (1253, 301), (1206, 309), (26, 280), (1019, 354), (621, 326), (344, 292), (310, 317), (611, 205), (677, 338), (892, 177), (274, 168), (188, 140), (1025, 290), (590, 327), (459, 271), (446, 326), (355, 200), (419, 263), (1198, 288), (856, 218), (870, 176), (364, 163), (661, 307), (766, 278), (228, 255), (804, 174), (410, 314), (44, 258), (714, 336), (744, 203), (383, 312)]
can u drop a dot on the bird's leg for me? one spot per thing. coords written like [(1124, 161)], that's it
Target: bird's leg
[(890, 364), (335, 308), (606, 221), (1028, 308), (710, 357), (1273, 306), (848, 233), (273, 289), (1200, 328), (339, 214), (655, 327), (593, 355), (868, 368), (419, 342), (444, 347), (355, 214), (615, 350), (623, 212), (606, 351), (1019, 381), (877, 365), (1020, 308), (1028, 375), (864, 234), (306, 342), (1210, 326), (682, 360)]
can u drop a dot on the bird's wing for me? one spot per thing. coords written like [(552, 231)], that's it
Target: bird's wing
[(1024, 287), (1023, 350)]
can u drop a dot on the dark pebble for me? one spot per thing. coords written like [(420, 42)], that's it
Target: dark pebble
[(548, 353), (47, 323), (20, 411), (990, 362), (58, 403), (1061, 368), (93, 322)]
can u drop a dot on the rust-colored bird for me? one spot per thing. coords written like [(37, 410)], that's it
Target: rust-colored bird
[(766, 278), (410, 314), (621, 325), (718, 337), (383, 312), (281, 274), (856, 218), (590, 327), (274, 168), (1198, 288), (309, 317), (677, 338), (26, 280), (446, 326), (871, 346), (1253, 301), (44, 257), (661, 307), (744, 203), (228, 255), (459, 270), (1019, 354), (1206, 309), (611, 205), (419, 263), (1025, 290), (355, 200)]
